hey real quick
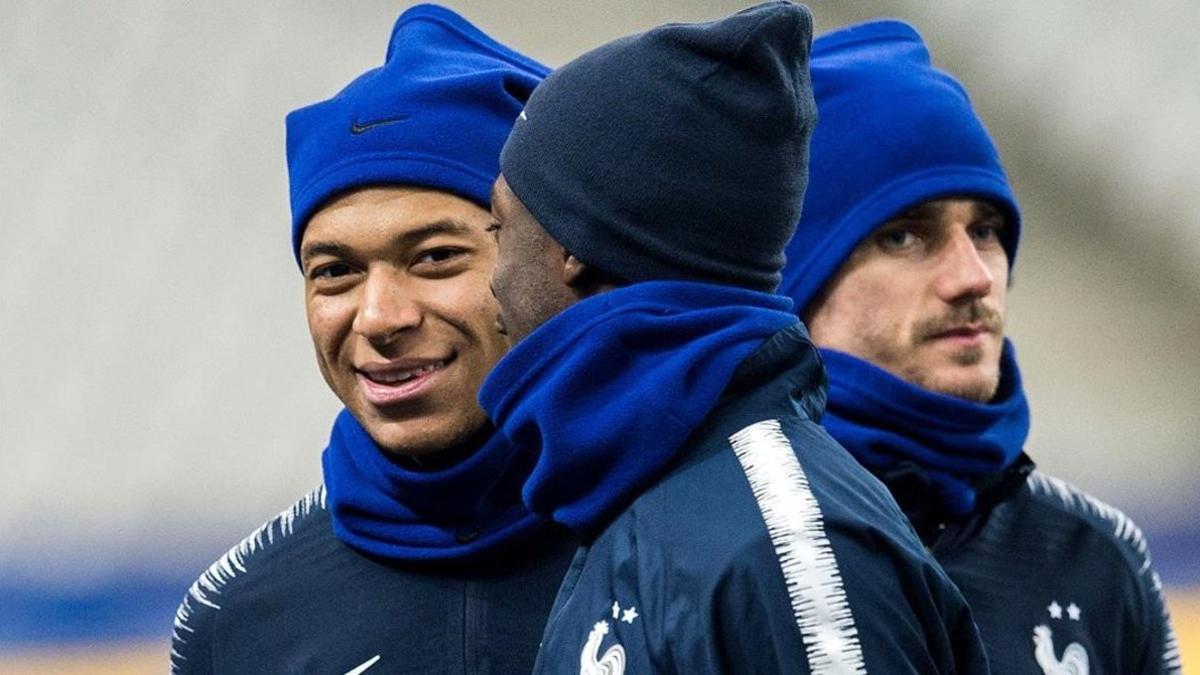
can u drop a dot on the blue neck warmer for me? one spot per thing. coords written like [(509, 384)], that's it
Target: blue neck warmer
[(605, 394), (886, 422), (383, 509)]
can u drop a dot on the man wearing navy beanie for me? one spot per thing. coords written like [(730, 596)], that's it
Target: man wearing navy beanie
[(669, 401), (417, 554), (900, 266)]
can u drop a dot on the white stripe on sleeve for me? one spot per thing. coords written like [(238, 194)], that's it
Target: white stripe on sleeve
[(797, 531)]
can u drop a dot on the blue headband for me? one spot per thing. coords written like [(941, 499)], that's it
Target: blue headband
[(435, 115), (894, 131)]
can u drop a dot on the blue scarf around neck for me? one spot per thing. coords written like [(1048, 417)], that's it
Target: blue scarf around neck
[(383, 509), (886, 422), (605, 394)]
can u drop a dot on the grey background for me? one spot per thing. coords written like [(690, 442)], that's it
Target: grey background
[(158, 394)]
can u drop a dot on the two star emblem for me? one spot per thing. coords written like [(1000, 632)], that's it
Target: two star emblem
[(1056, 611)]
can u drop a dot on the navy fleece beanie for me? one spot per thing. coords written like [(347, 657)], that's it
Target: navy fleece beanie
[(435, 115), (675, 154), (895, 131)]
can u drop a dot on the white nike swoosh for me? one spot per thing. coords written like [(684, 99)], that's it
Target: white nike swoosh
[(365, 664)]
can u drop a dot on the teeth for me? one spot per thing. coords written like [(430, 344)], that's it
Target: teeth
[(403, 375)]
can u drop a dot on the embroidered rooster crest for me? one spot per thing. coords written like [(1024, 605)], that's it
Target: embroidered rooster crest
[(613, 660), (1074, 659)]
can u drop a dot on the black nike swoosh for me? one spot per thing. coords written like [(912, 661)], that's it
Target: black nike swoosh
[(361, 127)]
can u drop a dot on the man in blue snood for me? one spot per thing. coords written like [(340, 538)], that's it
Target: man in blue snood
[(668, 400), (416, 555), (900, 267)]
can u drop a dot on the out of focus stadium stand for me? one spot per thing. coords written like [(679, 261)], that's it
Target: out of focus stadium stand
[(158, 396)]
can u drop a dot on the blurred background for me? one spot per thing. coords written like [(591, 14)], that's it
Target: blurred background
[(158, 395)]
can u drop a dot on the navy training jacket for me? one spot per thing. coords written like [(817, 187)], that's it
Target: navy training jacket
[(766, 548), (1057, 579), (292, 598)]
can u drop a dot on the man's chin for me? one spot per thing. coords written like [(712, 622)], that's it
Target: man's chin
[(973, 385), (425, 435)]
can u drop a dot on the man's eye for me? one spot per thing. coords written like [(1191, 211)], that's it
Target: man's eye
[(439, 256), (330, 271), (494, 228), (986, 233), (897, 238)]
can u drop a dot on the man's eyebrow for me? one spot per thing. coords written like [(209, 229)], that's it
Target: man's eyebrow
[(406, 239), (985, 210), (444, 226), (922, 211), (316, 248), (980, 210)]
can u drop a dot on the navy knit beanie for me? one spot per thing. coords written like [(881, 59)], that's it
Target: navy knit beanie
[(435, 115), (895, 131), (675, 154)]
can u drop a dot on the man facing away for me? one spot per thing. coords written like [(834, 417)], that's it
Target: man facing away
[(416, 555), (900, 267), (647, 192)]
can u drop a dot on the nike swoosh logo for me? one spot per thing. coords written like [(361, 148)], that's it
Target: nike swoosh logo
[(357, 127), (365, 664)]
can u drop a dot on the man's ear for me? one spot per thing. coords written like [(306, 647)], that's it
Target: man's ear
[(585, 280), (576, 273)]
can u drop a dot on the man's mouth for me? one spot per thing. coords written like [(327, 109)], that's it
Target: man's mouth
[(391, 383), (961, 332), (970, 337), (396, 377)]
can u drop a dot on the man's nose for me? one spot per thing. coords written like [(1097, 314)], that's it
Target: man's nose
[(963, 272), (388, 307)]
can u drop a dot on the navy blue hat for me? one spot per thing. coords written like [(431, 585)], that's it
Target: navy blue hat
[(435, 115), (895, 131), (675, 154)]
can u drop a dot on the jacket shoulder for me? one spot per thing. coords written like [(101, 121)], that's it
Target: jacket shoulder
[(1107, 522), (192, 634), (787, 544), (1121, 535)]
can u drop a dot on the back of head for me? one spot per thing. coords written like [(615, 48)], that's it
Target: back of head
[(675, 154), (434, 115), (895, 131)]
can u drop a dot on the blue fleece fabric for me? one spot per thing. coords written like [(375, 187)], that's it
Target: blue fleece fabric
[(886, 422), (605, 393), (381, 508), (435, 115), (895, 131)]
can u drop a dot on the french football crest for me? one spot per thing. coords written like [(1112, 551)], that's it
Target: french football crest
[(1074, 660)]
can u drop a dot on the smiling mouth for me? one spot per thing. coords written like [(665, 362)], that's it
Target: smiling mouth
[(384, 385), (401, 376)]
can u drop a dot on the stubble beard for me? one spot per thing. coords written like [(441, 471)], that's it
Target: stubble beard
[(978, 389)]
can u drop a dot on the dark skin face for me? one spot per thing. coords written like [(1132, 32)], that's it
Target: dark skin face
[(535, 278)]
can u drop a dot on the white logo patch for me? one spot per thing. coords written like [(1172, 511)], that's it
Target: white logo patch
[(1074, 659), (592, 663)]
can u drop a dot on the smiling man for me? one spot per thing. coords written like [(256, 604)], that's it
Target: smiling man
[(417, 554), (900, 266), (671, 399), (396, 281)]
